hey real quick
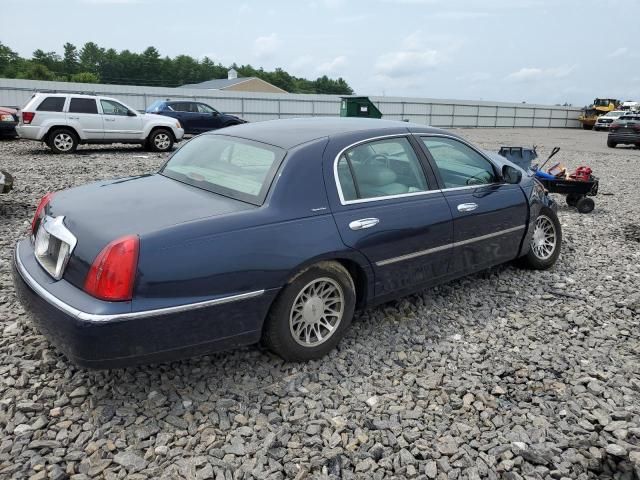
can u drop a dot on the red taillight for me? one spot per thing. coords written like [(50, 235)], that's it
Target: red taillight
[(112, 275), (40, 211), (27, 117)]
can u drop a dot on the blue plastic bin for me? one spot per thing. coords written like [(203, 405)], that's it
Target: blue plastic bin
[(521, 156)]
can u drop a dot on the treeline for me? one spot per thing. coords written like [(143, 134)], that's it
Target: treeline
[(94, 64)]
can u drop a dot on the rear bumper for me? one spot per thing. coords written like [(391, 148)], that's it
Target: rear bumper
[(103, 340), (30, 132)]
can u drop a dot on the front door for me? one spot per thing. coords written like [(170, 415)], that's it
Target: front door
[(119, 122), (388, 209), (489, 216)]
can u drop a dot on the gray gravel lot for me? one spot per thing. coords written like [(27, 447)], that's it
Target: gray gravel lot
[(507, 374)]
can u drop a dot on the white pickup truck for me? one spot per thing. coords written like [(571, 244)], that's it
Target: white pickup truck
[(65, 120)]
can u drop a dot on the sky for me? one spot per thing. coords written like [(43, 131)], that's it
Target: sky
[(536, 51)]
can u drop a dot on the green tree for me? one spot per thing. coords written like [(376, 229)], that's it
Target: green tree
[(85, 77), (7, 58), (91, 57), (71, 59)]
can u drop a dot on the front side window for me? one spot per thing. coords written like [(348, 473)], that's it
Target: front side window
[(51, 104), (110, 107), (202, 108), (380, 169), (83, 105), (458, 164), (233, 167)]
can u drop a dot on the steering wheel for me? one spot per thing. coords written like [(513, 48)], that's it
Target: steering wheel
[(476, 180)]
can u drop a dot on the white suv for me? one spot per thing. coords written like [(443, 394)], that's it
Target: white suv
[(64, 120)]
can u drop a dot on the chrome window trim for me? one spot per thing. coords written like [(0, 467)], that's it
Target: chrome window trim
[(100, 318), (420, 253), (374, 199), (411, 194)]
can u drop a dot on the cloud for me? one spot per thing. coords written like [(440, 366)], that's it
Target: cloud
[(333, 65), (265, 47), (619, 52), (111, 2), (459, 15), (474, 77), (407, 63), (528, 74), (352, 19)]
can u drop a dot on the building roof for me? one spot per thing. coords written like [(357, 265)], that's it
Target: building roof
[(218, 84)]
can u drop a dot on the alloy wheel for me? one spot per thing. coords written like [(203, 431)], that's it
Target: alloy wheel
[(317, 312), (543, 242), (162, 141), (63, 142)]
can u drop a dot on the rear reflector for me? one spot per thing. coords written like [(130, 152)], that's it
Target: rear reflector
[(40, 211), (112, 275), (27, 117)]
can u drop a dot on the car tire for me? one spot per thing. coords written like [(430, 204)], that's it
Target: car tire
[(62, 140), (541, 255), (586, 127), (160, 140), (611, 144), (585, 205), (295, 328)]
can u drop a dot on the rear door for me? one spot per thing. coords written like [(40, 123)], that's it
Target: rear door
[(387, 206), (83, 114), (118, 123), (187, 113), (489, 216)]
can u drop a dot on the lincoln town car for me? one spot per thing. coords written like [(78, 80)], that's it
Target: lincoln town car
[(273, 232)]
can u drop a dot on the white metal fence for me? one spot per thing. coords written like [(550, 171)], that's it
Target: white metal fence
[(267, 106)]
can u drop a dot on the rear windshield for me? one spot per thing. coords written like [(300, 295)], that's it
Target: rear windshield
[(230, 166)]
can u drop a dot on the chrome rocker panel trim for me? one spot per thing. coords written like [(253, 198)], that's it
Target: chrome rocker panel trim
[(99, 318)]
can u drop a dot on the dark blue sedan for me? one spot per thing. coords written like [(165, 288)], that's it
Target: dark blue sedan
[(195, 117), (275, 232)]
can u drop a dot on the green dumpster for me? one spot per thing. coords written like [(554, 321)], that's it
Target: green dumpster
[(359, 107)]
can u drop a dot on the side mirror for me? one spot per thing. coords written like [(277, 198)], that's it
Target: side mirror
[(131, 113), (511, 174)]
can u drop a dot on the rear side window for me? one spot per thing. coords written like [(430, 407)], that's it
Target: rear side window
[(83, 105), (51, 104), (380, 169)]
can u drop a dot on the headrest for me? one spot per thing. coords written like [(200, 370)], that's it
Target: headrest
[(376, 175)]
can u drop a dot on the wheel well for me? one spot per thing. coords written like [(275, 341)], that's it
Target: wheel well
[(359, 279), (45, 138), (160, 127)]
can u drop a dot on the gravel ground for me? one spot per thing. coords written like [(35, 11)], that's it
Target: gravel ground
[(507, 374)]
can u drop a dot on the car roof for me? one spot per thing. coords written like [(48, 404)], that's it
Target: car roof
[(288, 133)]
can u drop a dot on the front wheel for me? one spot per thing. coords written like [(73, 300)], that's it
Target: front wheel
[(62, 140), (311, 314), (545, 242), (160, 140), (585, 205), (611, 143)]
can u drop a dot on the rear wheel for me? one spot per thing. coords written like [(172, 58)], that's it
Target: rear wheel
[(611, 143), (545, 242), (311, 314), (585, 205), (160, 140), (586, 127), (62, 140)]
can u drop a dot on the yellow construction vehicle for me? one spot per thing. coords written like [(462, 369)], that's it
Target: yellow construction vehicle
[(600, 106)]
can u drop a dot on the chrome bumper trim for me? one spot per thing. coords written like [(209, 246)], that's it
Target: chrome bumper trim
[(420, 253), (98, 318)]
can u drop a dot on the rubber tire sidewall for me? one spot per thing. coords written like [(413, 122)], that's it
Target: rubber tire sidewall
[(611, 144), (276, 334), (530, 260), (572, 199), (585, 202), (52, 146), (151, 144)]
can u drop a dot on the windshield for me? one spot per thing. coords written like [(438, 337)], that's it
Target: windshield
[(230, 166), (155, 106)]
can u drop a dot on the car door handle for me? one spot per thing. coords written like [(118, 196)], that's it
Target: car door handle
[(467, 207), (109, 119), (74, 118), (363, 223)]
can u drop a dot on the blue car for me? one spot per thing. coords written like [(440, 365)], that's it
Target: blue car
[(272, 232), (195, 117)]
